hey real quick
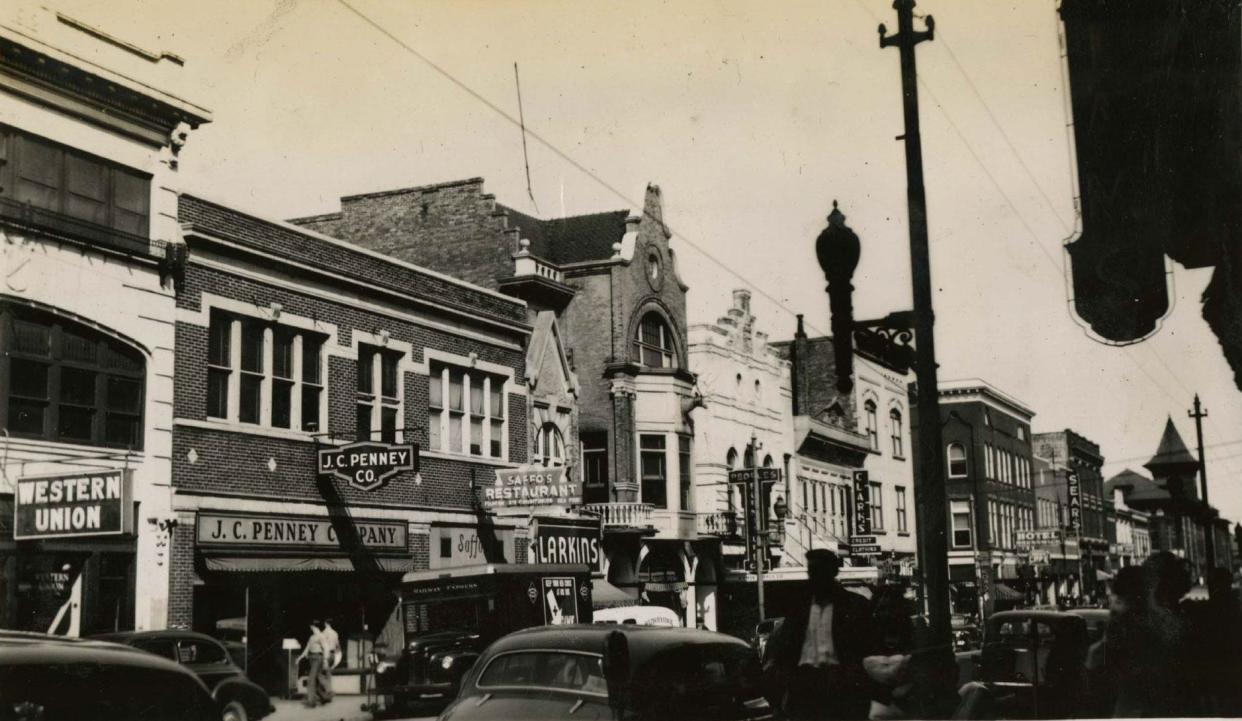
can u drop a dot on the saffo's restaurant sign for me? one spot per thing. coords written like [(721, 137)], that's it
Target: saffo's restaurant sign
[(530, 486), (99, 503)]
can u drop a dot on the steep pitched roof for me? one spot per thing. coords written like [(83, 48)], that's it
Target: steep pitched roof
[(1126, 480), (573, 239), (1172, 450)]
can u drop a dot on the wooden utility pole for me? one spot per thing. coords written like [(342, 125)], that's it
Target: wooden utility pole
[(931, 489), (1210, 546)]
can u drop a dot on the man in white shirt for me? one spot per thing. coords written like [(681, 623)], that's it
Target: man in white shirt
[(815, 656)]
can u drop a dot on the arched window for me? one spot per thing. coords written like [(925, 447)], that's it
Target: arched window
[(758, 391), (894, 421), (957, 460), (873, 430), (653, 343), (748, 460), (767, 461), (731, 459), (63, 381), (549, 446)]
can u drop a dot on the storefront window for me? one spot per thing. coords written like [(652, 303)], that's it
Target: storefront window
[(63, 381)]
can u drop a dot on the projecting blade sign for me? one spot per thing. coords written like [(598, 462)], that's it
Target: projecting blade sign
[(368, 465)]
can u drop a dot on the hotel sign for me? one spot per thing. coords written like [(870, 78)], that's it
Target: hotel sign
[(530, 486), (300, 532), (368, 465), (98, 503)]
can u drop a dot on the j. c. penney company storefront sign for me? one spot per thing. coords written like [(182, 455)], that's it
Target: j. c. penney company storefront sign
[(238, 530), (98, 503)]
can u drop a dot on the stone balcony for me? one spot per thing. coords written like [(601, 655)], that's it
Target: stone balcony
[(621, 515), (536, 280), (725, 524)]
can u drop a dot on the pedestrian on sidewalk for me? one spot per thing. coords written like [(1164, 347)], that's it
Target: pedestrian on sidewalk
[(313, 652), (332, 653), (814, 668)]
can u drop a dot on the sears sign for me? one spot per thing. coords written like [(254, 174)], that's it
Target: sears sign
[(368, 465)]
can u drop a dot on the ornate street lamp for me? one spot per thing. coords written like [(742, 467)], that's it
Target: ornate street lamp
[(837, 249)]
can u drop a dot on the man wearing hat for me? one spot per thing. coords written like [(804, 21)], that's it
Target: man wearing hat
[(814, 660)]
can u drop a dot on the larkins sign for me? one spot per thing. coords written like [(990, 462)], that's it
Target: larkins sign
[(368, 465), (84, 504)]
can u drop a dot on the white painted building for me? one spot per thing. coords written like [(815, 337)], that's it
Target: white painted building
[(746, 395), (90, 128)]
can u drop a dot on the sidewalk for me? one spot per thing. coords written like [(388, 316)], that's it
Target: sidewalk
[(340, 708)]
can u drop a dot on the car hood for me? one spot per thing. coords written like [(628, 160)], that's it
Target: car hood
[(515, 707)]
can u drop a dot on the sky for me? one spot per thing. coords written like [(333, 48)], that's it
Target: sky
[(752, 118)]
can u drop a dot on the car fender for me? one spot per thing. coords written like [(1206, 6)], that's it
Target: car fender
[(252, 696)]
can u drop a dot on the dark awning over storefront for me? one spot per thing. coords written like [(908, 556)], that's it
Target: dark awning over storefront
[(299, 563), (1005, 592)]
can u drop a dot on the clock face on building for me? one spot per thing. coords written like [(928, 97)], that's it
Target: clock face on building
[(655, 269)]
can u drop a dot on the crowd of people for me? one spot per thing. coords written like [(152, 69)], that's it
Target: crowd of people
[(842, 656), (1164, 655)]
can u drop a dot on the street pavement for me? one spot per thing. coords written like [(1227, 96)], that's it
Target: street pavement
[(340, 708)]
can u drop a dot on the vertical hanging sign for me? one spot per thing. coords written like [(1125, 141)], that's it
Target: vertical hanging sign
[(862, 503), (1074, 491)]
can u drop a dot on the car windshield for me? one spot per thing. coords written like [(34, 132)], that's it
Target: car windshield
[(554, 670)]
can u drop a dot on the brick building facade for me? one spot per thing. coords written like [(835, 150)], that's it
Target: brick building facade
[(991, 493), (609, 284), (289, 342)]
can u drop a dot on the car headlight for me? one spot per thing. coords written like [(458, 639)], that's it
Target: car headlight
[(446, 662)]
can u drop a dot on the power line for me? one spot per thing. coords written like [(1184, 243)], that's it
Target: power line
[(564, 156)]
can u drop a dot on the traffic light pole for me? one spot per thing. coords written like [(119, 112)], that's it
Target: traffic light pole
[(931, 489)]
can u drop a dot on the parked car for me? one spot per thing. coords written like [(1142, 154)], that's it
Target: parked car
[(966, 633), (763, 631), (237, 697), (1097, 621), (53, 678), (606, 672), (1034, 663)]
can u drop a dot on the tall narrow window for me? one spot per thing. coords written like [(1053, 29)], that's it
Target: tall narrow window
[(653, 343), (549, 446), (654, 467), (379, 397), (894, 422), (282, 378), (250, 405), (902, 526), (312, 381), (962, 533), (957, 460), (683, 470), (873, 431), (595, 458), (877, 507)]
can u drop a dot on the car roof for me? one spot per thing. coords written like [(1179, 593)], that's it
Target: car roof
[(172, 633), (643, 641), (1092, 613), (20, 649)]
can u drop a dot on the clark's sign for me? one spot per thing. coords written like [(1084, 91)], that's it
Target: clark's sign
[(242, 530), (530, 486), (84, 504), (368, 465)]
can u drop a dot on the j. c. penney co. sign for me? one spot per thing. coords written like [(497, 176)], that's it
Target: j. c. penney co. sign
[(368, 465), (84, 504)]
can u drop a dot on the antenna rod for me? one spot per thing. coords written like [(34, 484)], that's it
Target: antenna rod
[(522, 123)]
